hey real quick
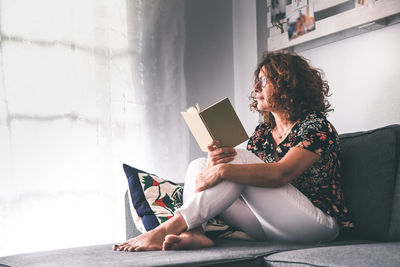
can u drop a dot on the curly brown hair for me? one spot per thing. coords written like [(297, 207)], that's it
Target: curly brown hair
[(299, 89)]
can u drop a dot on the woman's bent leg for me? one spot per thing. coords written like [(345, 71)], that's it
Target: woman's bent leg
[(234, 214), (199, 207), (282, 213), (240, 216), (194, 168), (194, 237), (207, 204), (285, 214)]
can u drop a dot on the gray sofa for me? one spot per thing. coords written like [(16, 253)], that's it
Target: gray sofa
[(371, 180)]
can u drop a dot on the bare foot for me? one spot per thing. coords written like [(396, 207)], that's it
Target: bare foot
[(151, 240), (187, 240), (154, 239)]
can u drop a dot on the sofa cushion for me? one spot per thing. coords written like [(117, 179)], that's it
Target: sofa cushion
[(370, 170), (376, 254), (225, 253)]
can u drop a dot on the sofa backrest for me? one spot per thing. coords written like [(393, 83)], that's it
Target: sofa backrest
[(371, 181)]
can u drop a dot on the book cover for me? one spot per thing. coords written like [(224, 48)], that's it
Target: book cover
[(217, 122)]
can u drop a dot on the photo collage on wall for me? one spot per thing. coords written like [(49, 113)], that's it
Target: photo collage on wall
[(368, 3), (278, 10), (300, 17), (297, 14)]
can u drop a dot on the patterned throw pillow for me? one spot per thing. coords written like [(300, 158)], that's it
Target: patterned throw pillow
[(153, 201)]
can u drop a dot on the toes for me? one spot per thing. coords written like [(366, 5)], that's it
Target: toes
[(129, 247), (126, 249), (139, 249), (117, 247), (166, 245), (172, 238), (122, 248)]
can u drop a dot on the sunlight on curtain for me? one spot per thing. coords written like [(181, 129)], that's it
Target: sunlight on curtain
[(84, 86), (157, 29)]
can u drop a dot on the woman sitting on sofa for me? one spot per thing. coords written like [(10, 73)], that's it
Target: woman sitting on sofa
[(284, 187)]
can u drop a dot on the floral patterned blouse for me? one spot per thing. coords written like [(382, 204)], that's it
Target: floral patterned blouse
[(321, 182)]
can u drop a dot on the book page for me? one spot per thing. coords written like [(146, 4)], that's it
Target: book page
[(197, 127)]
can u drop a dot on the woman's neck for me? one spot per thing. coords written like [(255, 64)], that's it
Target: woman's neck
[(282, 123)]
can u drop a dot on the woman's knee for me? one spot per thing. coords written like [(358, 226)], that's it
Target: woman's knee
[(194, 168), (197, 164)]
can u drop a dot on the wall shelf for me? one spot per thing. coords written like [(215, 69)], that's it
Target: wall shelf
[(342, 24)]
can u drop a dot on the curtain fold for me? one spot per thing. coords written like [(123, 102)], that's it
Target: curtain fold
[(85, 85), (158, 42)]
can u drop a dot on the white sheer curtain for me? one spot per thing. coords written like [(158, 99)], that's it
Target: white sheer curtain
[(157, 28), (85, 85)]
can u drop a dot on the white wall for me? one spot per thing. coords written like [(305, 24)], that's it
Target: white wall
[(245, 60), (364, 76)]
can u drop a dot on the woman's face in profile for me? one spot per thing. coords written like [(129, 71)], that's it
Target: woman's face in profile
[(263, 90)]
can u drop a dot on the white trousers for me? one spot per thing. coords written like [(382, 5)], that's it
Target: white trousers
[(281, 214)]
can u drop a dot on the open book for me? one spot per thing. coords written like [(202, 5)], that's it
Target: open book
[(217, 122)]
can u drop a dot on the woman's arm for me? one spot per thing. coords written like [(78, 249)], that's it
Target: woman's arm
[(276, 174)]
